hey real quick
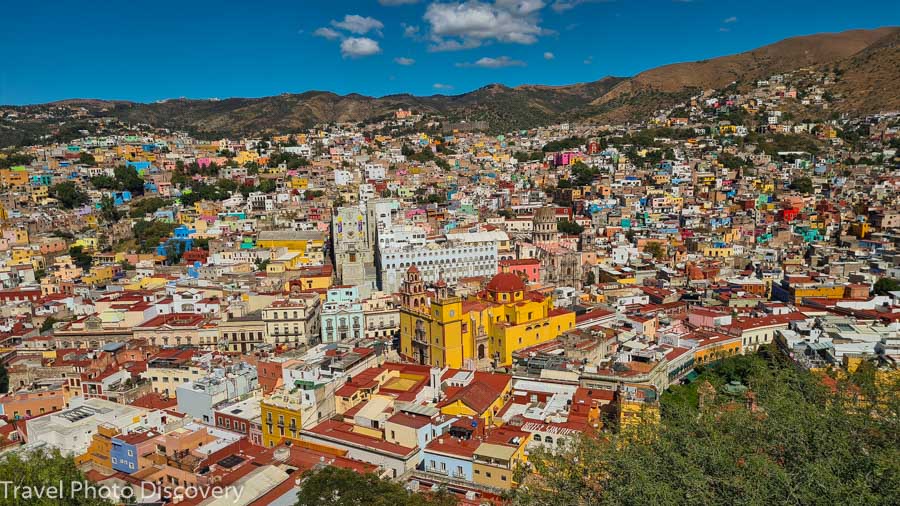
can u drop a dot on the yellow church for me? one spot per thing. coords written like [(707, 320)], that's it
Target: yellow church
[(479, 332)]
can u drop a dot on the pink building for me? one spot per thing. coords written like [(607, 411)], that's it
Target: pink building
[(708, 318), (527, 268), (565, 158)]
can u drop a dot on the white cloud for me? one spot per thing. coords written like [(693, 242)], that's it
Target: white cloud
[(565, 5), (589, 60), (442, 86), (493, 63), (549, 56), (562, 5), (404, 61), (411, 31), (355, 47), (358, 24), (466, 25), (393, 3), (327, 33), (732, 19)]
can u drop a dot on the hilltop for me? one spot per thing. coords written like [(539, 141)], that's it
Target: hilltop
[(867, 60)]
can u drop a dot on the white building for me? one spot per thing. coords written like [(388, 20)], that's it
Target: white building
[(71, 430), (342, 177), (450, 260)]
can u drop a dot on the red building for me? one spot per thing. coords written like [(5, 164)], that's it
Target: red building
[(269, 374)]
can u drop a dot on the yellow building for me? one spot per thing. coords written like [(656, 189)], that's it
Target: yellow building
[(299, 183), (636, 404), (21, 256), (796, 293), (40, 194), (482, 399), (148, 283), (478, 332), (98, 452), (281, 418), (244, 157), (88, 243), (718, 250), (716, 346), (309, 245), (859, 229), (101, 274), (14, 178), (494, 462), (16, 236), (310, 278)]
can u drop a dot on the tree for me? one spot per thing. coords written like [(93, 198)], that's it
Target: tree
[(68, 195), (150, 233), (569, 227), (129, 179), (583, 174), (656, 249), (14, 159), (41, 468), (148, 205), (108, 209), (802, 185), (47, 325), (80, 258), (266, 185), (4, 379), (563, 144), (85, 158), (885, 285), (335, 486), (590, 278), (174, 252), (104, 183), (793, 442)]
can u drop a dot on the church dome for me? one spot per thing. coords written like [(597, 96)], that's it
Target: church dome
[(505, 282)]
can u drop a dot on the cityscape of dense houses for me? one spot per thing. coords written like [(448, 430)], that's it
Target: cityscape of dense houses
[(429, 303)]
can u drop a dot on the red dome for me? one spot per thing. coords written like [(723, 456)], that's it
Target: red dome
[(505, 282)]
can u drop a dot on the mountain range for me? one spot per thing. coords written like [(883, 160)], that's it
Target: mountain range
[(869, 62)]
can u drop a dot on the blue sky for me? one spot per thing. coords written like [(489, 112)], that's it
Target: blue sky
[(147, 51)]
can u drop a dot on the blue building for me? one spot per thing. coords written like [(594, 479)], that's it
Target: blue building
[(450, 457), (139, 167), (342, 315), (127, 448), (41, 179), (181, 241)]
